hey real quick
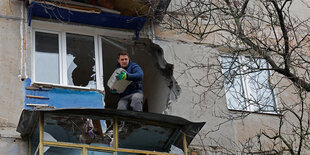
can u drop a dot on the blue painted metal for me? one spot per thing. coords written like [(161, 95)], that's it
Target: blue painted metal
[(63, 98), (98, 19)]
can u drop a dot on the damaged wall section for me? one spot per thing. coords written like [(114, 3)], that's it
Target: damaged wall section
[(159, 86), (60, 97)]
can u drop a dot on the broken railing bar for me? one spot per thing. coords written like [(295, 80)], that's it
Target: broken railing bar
[(38, 97), (37, 88), (35, 153)]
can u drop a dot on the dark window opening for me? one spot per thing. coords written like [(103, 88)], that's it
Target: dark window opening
[(156, 85)]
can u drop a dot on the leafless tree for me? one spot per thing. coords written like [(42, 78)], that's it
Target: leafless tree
[(263, 52)]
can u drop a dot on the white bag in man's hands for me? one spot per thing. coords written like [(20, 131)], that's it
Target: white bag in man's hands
[(118, 85)]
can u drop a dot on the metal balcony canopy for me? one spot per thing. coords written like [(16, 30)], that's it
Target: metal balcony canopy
[(64, 14), (165, 127)]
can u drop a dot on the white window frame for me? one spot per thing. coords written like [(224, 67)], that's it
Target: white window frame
[(62, 29), (245, 87), (97, 32), (63, 62)]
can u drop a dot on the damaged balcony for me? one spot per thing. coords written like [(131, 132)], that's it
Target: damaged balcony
[(68, 106), (102, 131), (121, 14), (136, 8), (71, 66), (159, 86)]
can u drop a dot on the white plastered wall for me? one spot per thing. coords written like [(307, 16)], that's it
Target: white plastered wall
[(196, 105)]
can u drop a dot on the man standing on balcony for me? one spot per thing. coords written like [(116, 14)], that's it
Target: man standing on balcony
[(132, 97)]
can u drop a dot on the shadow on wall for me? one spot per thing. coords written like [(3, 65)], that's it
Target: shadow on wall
[(159, 85)]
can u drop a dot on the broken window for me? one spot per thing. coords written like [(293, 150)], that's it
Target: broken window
[(81, 60), (66, 59), (58, 150), (146, 136), (78, 129)]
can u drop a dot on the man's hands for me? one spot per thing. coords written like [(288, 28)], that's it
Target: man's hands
[(122, 76)]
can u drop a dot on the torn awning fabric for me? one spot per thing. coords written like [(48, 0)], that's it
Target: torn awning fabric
[(49, 11)]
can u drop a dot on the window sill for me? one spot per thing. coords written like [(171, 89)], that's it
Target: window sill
[(51, 85), (256, 112)]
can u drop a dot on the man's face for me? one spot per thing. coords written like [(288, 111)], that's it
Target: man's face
[(123, 60)]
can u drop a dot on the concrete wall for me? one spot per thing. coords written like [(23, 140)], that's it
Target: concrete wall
[(11, 86), (179, 49), (196, 103), (192, 103)]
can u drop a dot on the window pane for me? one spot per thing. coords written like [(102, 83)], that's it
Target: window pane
[(233, 83), (78, 129), (48, 150), (260, 92), (46, 57), (96, 152), (143, 136), (81, 60), (126, 153)]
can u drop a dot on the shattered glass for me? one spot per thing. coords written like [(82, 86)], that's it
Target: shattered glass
[(59, 150), (144, 135), (81, 60), (78, 129)]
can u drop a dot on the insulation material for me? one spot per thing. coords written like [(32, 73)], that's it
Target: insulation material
[(118, 85)]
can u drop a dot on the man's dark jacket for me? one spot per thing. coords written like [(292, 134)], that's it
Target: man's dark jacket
[(134, 74)]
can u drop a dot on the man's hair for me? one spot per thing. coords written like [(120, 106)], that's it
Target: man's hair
[(122, 53)]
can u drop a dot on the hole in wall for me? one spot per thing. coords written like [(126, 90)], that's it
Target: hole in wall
[(159, 86)]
